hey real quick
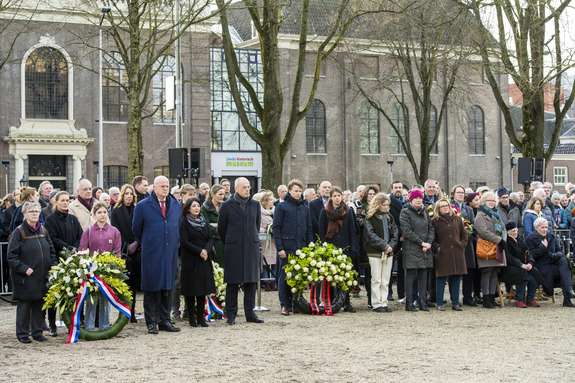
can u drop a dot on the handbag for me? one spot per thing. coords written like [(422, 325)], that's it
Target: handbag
[(485, 249)]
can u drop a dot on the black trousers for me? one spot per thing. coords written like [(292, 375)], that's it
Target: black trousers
[(29, 318), (232, 299), (419, 275), (157, 306)]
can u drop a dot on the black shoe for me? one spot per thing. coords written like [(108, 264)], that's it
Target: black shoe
[(487, 303), (379, 309), (40, 338), (478, 300), (409, 306), (568, 303), (494, 302), (254, 319), (231, 321), (387, 309), (202, 322), (24, 340), (53, 331), (348, 308), (423, 305), (168, 327), (192, 321), (470, 303), (390, 298), (152, 329), (133, 319), (430, 303)]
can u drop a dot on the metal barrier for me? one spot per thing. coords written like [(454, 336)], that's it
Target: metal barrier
[(5, 284), (564, 236)]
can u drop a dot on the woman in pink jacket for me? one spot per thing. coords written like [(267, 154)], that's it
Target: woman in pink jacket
[(100, 237)]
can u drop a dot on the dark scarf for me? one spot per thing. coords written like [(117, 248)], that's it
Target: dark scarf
[(397, 202), (197, 223), (335, 218), (241, 201), (290, 199), (506, 208), (88, 205)]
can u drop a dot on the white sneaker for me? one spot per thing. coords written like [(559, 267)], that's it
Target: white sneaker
[(402, 300)]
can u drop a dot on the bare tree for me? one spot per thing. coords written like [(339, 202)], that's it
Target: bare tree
[(12, 25), (427, 47), (267, 17), (529, 47)]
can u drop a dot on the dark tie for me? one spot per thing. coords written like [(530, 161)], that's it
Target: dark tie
[(163, 208)]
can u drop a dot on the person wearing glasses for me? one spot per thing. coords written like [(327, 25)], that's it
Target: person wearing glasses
[(31, 254), (449, 246), (489, 227)]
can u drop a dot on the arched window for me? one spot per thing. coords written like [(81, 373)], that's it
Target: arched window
[(369, 129), (476, 127), (165, 68), (315, 128), (46, 81), (398, 119), (114, 98), (433, 128)]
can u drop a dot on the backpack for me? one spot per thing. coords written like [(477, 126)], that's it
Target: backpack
[(25, 237)]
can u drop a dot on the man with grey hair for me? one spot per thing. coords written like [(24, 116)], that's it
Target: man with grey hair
[(309, 194), (238, 226), (550, 261), (81, 207), (282, 190), (44, 190), (156, 227), (430, 194), (114, 195)]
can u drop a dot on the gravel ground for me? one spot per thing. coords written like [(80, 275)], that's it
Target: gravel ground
[(475, 345)]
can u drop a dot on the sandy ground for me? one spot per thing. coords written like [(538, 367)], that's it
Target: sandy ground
[(476, 345)]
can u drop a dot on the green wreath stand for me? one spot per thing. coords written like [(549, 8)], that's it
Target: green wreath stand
[(337, 302), (104, 334)]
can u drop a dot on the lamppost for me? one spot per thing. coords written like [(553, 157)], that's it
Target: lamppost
[(390, 163), (105, 10), (6, 163)]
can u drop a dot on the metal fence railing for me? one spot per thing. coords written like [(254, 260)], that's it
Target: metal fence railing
[(564, 236), (5, 283)]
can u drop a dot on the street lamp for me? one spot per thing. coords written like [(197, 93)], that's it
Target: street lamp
[(6, 163), (390, 163), (105, 10)]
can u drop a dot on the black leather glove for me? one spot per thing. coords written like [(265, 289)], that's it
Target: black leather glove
[(502, 244), (133, 247), (557, 256)]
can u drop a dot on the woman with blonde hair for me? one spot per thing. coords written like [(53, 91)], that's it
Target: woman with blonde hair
[(380, 235), (489, 227), (533, 211), (269, 258), (449, 246)]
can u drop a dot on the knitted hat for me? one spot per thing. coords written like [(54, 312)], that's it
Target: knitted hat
[(510, 225), (470, 197), (415, 194), (502, 192), (53, 193), (556, 195)]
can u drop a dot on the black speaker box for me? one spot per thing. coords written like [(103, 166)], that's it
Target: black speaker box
[(178, 162), (198, 162)]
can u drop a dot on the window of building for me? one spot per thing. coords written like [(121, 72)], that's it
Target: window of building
[(369, 129), (476, 130), (559, 175), (114, 81), (433, 129), (165, 68), (165, 171), (315, 128), (228, 134), (476, 185), (313, 186), (398, 117), (46, 88), (115, 175), (47, 168)]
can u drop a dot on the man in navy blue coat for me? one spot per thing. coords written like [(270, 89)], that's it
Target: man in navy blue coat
[(317, 205), (292, 231), (156, 226), (238, 225)]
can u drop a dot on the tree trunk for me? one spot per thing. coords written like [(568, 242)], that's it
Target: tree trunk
[(134, 139), (272, 165)]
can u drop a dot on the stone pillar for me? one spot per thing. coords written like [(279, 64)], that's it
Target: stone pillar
[(19, 168), (77, 169)]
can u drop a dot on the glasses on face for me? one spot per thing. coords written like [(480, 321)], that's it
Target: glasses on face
[(33, 212), (442, 206)]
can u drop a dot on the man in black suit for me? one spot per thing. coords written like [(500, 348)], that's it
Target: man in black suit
[(238, 226), (317, 205), (396, 205)]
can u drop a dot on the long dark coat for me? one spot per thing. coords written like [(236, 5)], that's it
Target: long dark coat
[(211, 215), (449, 246), (416, 228), (517, 254), (238, 230), (315, 209), (35, 253), (159, 239), (196, 275), (64, 230), (292, 227)]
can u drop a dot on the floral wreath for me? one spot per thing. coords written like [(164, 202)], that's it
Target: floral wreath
[(319, 265), (79, 276)]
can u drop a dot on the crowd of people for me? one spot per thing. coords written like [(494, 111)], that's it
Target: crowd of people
[(428, 238)]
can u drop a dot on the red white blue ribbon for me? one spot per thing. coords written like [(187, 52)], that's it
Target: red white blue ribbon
[(213, 307), (106, 292)]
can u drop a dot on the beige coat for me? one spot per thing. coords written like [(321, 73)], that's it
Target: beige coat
[(84, 216), (485, 229)]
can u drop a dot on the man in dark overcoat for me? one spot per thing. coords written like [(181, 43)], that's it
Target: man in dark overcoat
[(317, 205), (238, 226), (156, 226)]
